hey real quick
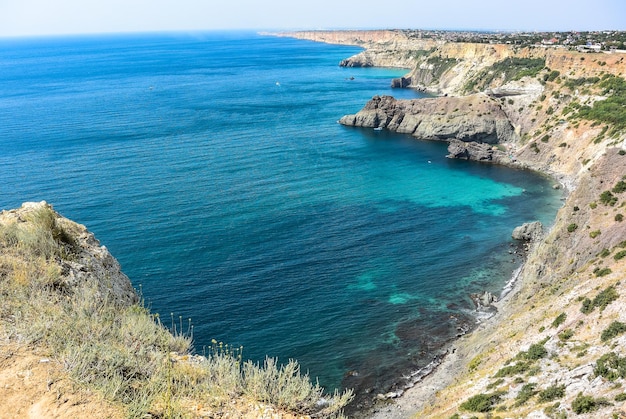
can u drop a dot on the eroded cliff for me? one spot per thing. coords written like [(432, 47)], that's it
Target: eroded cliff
[(556, 345)]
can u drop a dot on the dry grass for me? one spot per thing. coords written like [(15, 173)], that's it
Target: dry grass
[(119, 349)]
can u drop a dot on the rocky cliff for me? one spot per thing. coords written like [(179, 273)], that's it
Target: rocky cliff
[(555, 347), (76, 341)]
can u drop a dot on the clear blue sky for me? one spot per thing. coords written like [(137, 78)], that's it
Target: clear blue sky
[(41, 17)]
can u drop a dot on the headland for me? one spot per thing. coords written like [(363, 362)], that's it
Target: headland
[(553, 105)]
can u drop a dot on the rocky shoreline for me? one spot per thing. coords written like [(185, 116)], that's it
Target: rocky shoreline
[(493, 107)]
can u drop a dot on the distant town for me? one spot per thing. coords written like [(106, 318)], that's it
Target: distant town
[(583, 41)]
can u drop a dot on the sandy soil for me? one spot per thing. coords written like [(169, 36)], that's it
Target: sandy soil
[(35, 386)]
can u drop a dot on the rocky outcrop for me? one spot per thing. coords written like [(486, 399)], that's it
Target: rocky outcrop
[(475, 118), (89, 260), (484, 301), (528, 231)]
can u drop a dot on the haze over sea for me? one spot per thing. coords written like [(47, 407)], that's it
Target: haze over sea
[(211, 165)]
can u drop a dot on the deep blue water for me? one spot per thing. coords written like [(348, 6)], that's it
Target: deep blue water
[(212, 166)]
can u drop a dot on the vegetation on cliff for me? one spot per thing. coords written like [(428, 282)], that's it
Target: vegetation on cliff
[(63, 294), (556, 349)]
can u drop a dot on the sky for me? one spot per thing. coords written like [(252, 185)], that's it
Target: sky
[(56, 17)]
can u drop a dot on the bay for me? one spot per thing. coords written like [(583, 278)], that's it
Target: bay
[(212, 166)]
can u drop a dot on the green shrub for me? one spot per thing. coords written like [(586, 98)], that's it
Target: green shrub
[(619, 187), (527, 391), (587, 306), (607, 198), (604, 253), (593, 205), (611, 366), (495, 384), (603, 299), (572, 227), (520, 367), (587, 404), (614, 329), (594, 234), (551, 393), (559, 320), (620, 397), (602, 271), (535, 352), (481, 402), (619, 255), (619, 218)]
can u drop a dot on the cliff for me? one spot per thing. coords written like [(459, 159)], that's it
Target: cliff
[(76, 341), (555, 347)]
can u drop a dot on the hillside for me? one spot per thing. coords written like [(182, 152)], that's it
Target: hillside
[(556, 347), (76, 341)]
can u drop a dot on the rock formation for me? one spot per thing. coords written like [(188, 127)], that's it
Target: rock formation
[(471, 118), (528, 231)]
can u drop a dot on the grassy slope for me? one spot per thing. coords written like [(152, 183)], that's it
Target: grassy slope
[(578, 259), (65, 300)]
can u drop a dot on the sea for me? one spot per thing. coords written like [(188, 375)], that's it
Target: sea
[(212, 166)]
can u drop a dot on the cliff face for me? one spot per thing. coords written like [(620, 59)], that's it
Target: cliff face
[(554, 346), (472, 118)]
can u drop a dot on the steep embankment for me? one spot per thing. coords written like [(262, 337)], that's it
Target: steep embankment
[(75, 341), (556, 346)]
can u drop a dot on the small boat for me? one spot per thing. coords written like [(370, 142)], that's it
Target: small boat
[(378, 129)]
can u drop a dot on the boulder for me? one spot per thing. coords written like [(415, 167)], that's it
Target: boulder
[(484, 301), (528, 231)]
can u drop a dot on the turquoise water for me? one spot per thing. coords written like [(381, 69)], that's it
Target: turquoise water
[(213, 168)]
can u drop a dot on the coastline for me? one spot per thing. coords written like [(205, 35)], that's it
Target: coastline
[(444, 370)]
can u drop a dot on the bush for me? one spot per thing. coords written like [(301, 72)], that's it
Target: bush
[(611, 366), (619, 255), (535, 352), (551, 393), (559, 320), (603, 299), (572, 227), (620, 397), (594, 234), (519, 367), (614, 329), (587, 404), (587, 306), (607, 198), (619, 187), (481, 402), (619, 218), (602, 271), (527, 391)]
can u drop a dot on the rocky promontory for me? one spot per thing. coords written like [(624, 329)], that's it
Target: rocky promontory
[(554, 346), (472, 118)]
